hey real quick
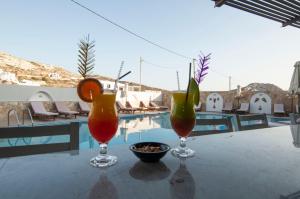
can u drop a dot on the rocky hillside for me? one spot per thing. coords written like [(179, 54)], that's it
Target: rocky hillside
[(276, 93), (262, 87), (14, 70)]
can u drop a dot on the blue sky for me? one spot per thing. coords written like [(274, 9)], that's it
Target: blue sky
[(245, 46)]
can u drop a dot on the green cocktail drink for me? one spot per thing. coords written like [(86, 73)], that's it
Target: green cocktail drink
[(183, 119)]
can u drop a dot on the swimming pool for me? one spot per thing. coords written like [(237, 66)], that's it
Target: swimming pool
[(132, 129)]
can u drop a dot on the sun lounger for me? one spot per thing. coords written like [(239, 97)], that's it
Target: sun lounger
[(244, 108), (228, 107), (38, 110), (122, 108), (147, 108), (84, 108), (62, 109), (128, 105), (161, 108), (279, 109)]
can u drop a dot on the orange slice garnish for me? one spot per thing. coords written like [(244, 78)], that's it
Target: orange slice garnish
[(89, 88)]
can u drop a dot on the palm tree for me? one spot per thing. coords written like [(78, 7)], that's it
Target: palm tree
[(86, 57)]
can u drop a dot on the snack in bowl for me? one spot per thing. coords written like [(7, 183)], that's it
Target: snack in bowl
[(149, 151)]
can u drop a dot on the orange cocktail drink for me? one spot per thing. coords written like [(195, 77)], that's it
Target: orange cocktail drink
[(103, 118), (103, 125)]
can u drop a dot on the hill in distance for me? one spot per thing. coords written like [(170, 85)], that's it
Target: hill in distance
[(15, 70)]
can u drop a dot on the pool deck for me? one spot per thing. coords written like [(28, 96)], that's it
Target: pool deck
[(62, 119)]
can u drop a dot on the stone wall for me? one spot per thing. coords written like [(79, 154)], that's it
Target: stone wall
[(228, 96), (278, 97)]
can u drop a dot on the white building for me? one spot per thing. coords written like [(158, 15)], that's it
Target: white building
[(7, 76), (54, 76), (23, 93), (110, 85)]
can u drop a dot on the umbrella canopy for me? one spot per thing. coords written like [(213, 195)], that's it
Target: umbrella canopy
[(285, 12), (295, 82)]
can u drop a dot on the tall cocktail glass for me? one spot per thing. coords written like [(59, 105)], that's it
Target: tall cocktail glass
[(183, 119), (103, 125)]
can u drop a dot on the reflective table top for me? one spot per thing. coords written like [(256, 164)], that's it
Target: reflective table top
[(262, 163)]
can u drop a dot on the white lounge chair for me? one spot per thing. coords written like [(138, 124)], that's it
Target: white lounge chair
[(279, 109), (122, 108), (228, 107), (40, 111), (244, 108), (62, 109), (84, 108), (162, 108)]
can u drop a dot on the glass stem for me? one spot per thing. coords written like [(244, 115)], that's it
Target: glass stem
[(103, 149), (182, 143)]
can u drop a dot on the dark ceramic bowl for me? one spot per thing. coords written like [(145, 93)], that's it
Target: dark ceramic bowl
[(150, 156)]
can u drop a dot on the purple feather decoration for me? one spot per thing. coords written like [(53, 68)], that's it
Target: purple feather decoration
[(202, 67)]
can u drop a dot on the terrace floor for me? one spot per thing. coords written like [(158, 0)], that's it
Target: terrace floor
[(13, 122)]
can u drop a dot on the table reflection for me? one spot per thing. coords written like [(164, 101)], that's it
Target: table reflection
[(104, 188), (182, 183), (295, 129), (149, 171), (295, 195), (137, 125)]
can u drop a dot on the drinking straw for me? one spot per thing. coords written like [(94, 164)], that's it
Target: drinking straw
[(178, 84), (116, 82), (188, 88), (124, 75)]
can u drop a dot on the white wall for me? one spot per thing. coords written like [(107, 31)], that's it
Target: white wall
[(25, 93), (110, 85), (37, 93), (134, 97)]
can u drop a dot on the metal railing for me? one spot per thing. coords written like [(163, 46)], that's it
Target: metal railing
[(13, 142), (10, 141), (30, 116), (15, 114)]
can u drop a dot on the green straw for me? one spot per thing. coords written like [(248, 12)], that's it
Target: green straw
[(188, 88)]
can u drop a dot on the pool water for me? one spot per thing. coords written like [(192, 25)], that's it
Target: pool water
[(144, 128), (132, 129), (152, 128)]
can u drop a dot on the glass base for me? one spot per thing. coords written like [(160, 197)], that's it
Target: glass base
[(180, 152), (103, 161)]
